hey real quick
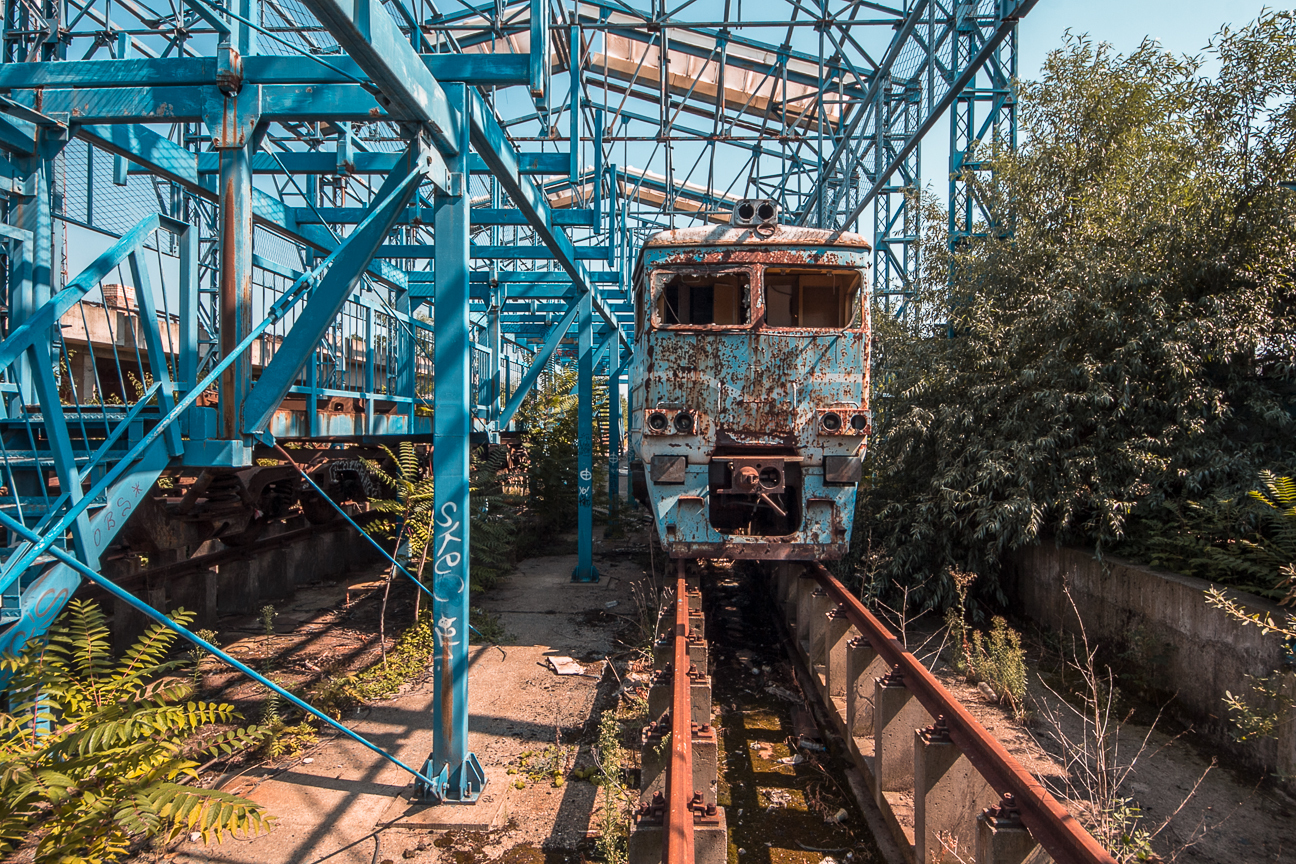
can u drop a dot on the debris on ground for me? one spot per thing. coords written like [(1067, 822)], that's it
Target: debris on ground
[(566, 666)]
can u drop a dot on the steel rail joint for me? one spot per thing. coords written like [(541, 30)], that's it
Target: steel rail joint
[(1048, 821)]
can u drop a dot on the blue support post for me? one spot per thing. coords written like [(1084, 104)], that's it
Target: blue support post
[(493, 340), (598, 177), (235, 283), (369, 380), (585, 571), (30, 281), (458, 776), (120, 165), (630, 407), (614, 442), (188, 346), (574, 145)]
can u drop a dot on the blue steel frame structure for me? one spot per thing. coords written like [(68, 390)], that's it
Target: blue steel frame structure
[(303, 181)]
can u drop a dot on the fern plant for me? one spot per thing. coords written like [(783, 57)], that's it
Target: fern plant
[(95, 753), (408, 515)]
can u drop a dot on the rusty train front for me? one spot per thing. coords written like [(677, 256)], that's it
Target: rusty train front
[(750, 388)]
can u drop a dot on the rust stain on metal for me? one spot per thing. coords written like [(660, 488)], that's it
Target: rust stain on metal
[(679, 780)]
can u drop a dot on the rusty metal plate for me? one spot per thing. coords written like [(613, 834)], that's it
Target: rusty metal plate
[(668, 469), (843, 470)]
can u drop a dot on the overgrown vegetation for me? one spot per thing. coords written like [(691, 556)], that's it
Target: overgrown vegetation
[(1087, 720), (98, 753), (548, 420), (1122, 331), (614, 810), (999, 660), (406, 660)]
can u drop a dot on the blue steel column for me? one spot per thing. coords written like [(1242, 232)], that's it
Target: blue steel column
[(493, 341), (585, 571), (235, 282), (30, 281), (458, 774), (614, 439)]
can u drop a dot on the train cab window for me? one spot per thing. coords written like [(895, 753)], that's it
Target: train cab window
[(811, 298), (703, 297)]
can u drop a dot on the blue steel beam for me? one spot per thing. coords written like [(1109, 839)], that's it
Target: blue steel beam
[(167, 104), (370, 36), (370, 162), (332, 292), (1011, 12), (172, 162), (512, 253), (424, 279), (486, 70), (489, 140), (381, 51), (479, 215)]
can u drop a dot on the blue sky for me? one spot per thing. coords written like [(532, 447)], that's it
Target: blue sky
[(1181, 26)]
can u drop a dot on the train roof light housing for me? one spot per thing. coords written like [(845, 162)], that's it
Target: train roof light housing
[(753, 212)]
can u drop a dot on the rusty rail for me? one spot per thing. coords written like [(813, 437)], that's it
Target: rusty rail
[(679, 781), (1048, 821)]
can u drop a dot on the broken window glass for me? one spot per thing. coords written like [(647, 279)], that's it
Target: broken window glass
[(811, 298), (703, 297)]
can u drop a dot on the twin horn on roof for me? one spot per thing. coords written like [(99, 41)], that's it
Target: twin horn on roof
[(755, 211)]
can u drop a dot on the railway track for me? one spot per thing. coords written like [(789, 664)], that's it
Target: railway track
[(947, 789)]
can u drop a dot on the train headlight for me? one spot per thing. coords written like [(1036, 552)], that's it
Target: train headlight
[(657, 421), (684, 423), (844, 422)]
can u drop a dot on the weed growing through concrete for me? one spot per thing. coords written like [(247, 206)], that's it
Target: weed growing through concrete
[(551, 763), (1268, 703), (486, 628), (409, 658)]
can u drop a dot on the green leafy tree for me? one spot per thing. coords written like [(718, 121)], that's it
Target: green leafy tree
[(96, 753), (1123, 329)]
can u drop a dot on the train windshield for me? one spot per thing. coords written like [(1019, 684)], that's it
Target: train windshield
[(709, 296), (811, 298)]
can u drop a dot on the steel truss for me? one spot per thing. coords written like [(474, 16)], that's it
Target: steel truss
[(411, 208)]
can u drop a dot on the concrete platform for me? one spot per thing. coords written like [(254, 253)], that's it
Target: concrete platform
[(350, 806), (490, 811)]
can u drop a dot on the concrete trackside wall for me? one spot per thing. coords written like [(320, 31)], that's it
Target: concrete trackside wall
[(1160, 622)]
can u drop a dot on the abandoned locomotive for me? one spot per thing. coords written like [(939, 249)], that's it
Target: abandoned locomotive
[(750, 387)]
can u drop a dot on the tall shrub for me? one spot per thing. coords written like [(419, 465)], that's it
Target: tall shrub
[(1121, 333)]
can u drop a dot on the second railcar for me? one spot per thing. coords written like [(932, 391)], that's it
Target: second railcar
[(750, 382)]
